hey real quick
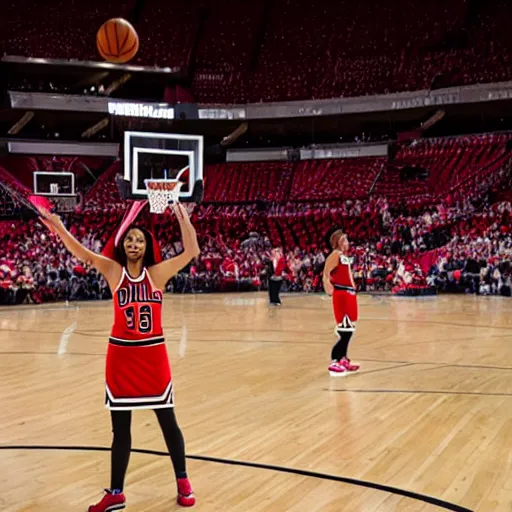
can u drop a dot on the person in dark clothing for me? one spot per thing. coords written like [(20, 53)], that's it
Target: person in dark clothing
[(472, 275), (275, 269)]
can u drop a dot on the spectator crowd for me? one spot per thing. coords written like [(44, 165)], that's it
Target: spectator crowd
[(366, 49), (464, 247)]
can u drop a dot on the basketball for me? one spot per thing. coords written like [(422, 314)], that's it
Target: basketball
[(117, 41)]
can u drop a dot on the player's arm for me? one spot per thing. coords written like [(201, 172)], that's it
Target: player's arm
[(351, 277), (331, 263), (162, 272), (110, 269)]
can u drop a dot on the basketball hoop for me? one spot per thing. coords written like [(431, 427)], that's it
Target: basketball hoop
[(161, 193)]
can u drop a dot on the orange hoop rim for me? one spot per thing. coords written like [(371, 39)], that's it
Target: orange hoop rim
[(162, 184)]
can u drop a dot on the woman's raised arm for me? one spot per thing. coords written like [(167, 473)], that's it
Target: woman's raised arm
[(162, 272)]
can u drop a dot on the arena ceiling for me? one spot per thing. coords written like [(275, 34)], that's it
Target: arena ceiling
[(145, 85)]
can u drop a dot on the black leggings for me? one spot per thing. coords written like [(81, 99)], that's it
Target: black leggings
[(122, 444), (274, 287)]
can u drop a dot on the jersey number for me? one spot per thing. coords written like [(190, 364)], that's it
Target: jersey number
[(145, 321)]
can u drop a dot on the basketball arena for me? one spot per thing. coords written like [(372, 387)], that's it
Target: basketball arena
[(255, 256)]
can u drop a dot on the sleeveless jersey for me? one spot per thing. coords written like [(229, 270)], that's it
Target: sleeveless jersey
[(137, 373), (340, 276), (344, 299), (137, 309)]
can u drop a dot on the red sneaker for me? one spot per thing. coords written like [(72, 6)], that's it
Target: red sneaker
[(348, 365), (186, 496), (336, 369), (109, 502)]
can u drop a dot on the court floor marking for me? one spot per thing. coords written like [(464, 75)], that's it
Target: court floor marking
[(439, 364), (256, 465)]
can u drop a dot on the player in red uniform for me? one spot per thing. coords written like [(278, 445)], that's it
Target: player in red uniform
[(138, 375), (339, 284)]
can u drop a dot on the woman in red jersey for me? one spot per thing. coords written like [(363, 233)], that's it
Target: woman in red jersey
[(138, 374), (339, 284)]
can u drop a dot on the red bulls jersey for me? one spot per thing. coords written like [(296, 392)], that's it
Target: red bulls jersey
[(340, 276), (137, 309)]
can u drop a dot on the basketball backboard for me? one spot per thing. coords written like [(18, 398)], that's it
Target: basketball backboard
[(149, 155), (59, 187), (54, 183)]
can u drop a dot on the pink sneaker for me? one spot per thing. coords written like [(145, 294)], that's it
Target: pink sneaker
[(336, 369), (348, 365), (186, 496), (109, 502)]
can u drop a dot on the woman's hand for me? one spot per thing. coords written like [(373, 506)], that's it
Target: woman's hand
[(329, 289), (51, 220), (180, 211)]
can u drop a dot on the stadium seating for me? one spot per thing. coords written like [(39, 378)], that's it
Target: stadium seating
[(68, 32), (278, 51), (400, 231)]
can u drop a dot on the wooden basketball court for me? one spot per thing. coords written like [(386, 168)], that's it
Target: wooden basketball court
[(425, 426)]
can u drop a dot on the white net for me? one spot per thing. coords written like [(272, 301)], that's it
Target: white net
[(161, 193)]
